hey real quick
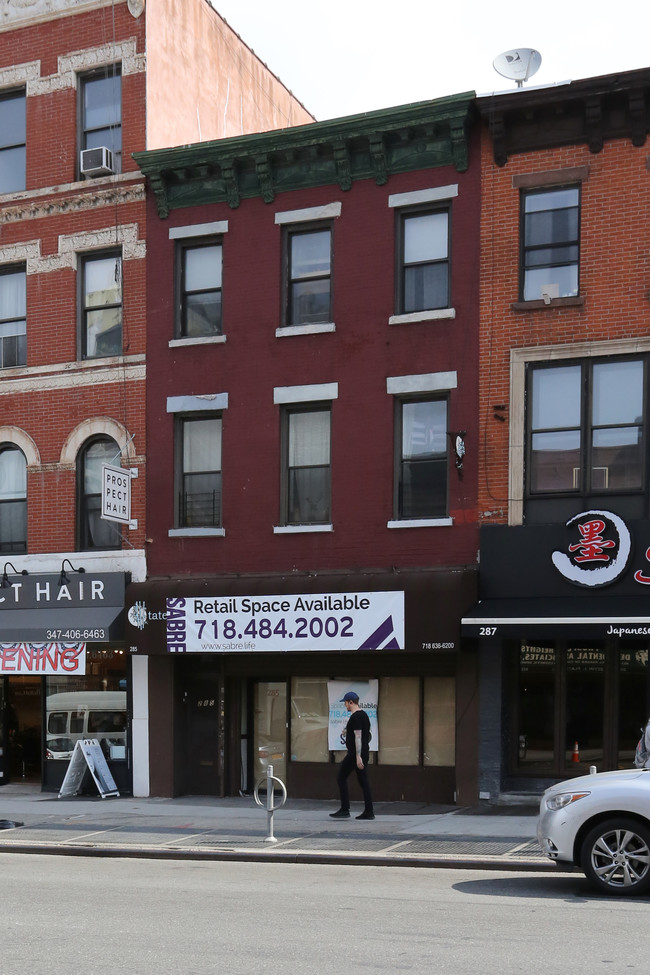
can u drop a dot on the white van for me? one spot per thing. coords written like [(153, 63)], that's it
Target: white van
[(72, 715)]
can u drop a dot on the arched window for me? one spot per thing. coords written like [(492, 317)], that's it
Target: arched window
[(94, 531), (13, 499)]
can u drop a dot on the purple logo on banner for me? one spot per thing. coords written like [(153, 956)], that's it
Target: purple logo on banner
[(377, 639)]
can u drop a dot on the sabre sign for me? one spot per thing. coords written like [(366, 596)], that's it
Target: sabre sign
[(322, 621)]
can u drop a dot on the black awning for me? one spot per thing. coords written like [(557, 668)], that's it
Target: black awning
[(98, 624), (596, 617)]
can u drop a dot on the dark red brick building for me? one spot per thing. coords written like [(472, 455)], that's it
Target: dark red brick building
[(312, 452)]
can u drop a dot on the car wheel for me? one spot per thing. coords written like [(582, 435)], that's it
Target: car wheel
[(615, 856)]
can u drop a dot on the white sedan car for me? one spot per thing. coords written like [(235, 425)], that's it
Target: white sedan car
[(601, 823)]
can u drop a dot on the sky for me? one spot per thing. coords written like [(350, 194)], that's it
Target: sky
[(343, 57)]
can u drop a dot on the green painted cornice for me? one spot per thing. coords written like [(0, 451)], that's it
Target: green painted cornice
[(370, 146)]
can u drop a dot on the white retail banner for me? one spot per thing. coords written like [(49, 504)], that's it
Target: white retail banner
[(368, 691), (314, 621), (43, 658)]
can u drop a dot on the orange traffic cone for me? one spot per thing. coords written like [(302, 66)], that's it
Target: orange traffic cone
[(576, 753)]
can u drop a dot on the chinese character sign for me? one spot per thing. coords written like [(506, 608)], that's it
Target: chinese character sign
[(600, 551)]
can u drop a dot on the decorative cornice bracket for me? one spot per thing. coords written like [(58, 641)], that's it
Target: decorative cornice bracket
[(498, 133), (459, 144), (636, 101), (378, 156), (342, 163), (229, 175), (263, 170), (594, 124), (159, 188)]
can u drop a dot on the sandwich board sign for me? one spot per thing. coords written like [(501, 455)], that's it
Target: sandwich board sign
[(88, 755)]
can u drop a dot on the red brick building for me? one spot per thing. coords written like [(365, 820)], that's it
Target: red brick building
[(312, 459), (83, 84), (562, 625)]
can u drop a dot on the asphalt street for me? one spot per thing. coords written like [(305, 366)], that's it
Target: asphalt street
[(117, 916)]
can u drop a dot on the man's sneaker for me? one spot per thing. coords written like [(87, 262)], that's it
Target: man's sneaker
[(366, 815), (340, 814)]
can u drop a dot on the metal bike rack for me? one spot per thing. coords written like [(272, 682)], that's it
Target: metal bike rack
[(270, 807)]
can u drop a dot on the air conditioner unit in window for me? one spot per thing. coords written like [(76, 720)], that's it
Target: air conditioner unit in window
[(97, 162)]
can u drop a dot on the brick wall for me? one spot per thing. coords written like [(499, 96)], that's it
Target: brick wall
[(359, 356), (614, 281)]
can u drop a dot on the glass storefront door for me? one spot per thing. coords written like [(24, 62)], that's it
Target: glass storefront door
[(584, 706), (577, 706), (269, 729)]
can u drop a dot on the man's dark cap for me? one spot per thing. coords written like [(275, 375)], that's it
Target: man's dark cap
[(350, 696)]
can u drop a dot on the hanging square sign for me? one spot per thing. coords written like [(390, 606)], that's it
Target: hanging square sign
[(116, 494)]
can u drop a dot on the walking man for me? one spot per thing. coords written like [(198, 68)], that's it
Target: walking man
[(357, 742)]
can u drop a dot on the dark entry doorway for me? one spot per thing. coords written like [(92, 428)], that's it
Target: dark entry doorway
[(20, 729), (199, 709)]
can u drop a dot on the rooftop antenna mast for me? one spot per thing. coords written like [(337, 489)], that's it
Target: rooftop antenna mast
[(519, 65)]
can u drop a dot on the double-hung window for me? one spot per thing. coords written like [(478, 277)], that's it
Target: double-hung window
[(550, 243), (307, 269), (13, 140), (423, 221), (95, 532), (13, 321), (586, 427), (423, 259), (309, 275), (421, 448), (199, 288), (306, 464), (101, 112), (13, 500), (101, 305), (198, 471), (421, 462)]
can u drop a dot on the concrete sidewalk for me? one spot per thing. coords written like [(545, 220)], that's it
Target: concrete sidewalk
[(402, 834)]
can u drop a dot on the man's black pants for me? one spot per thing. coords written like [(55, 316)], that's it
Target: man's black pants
[(348, 765)]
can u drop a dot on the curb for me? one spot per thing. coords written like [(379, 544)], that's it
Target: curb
[(281, 856)]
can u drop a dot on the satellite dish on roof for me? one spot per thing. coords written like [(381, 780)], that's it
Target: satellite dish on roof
[(518, 65)]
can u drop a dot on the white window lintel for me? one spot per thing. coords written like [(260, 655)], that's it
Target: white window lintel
[(325, 212), (305, 394), (199, 230), (196, 404), (430, 382), (430, 195)]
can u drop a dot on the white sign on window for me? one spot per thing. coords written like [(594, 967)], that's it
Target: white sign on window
[(43, 658), (116, 494), (368, 691)]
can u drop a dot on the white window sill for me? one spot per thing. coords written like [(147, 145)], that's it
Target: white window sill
[(300, 529), (434, 315), (314, 329), (196, 532), (421, 523), (202, 340)]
